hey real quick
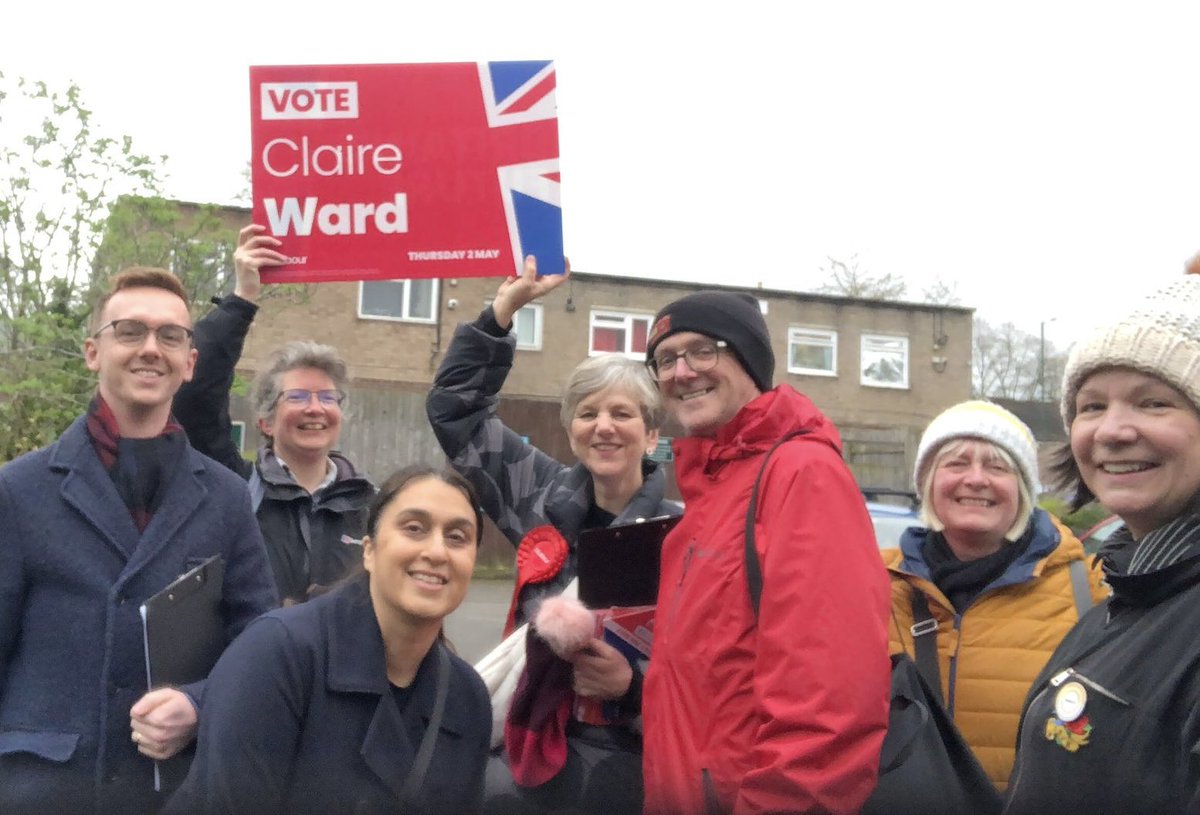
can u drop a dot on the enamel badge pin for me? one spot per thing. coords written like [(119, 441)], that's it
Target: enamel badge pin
[(1068, 727)]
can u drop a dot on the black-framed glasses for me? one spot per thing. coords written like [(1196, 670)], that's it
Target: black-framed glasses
[(134, 332), (300, 397), (700, 357)]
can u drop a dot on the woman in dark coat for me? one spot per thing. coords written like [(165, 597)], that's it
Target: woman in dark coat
[(327, 706), (611, 412), (1112, 725)]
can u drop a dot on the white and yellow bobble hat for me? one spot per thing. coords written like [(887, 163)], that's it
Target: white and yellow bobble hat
[(1160, 337), (978, 419)]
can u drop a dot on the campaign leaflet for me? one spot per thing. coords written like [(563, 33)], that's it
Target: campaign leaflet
[(377, 172), (630, 630)]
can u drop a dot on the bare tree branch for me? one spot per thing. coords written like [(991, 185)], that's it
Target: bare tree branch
[(847, 279)]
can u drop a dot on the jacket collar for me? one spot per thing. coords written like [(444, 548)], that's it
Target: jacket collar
[(88, 488), (751, 432), (1043, 547), (357, 665), (647, 501), (570, 501), (344, 493)]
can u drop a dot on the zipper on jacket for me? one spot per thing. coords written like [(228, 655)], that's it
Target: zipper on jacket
[(1071, 673), (687, 564), (951, 680), (712, 804), (1014, 780)]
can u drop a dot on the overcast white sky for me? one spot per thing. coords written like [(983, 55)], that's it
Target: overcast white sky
[(1042, 156)]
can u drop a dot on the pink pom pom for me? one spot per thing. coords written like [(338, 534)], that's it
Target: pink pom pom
[(565, 624)]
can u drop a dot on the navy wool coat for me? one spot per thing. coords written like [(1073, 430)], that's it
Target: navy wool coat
[(73, 573), (300, 718)]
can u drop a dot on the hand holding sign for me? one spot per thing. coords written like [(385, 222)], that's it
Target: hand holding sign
[(517, 292), (253, 252)]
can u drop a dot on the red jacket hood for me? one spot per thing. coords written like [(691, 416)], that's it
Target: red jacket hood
[(758, 425)]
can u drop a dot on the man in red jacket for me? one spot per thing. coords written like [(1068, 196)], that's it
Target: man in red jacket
[(784, 711)]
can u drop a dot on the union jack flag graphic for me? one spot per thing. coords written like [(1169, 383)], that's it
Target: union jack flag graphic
[(514, 94)]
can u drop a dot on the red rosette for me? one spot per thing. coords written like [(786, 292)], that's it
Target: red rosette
[(540, 557)]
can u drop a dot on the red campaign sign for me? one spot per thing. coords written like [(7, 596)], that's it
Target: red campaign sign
[(377, 172)]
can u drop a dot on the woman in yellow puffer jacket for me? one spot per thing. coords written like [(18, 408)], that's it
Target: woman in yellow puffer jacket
[(1002, 580)]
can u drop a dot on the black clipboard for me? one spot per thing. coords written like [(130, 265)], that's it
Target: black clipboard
[(184, 628), (183, 633), (619, 565)]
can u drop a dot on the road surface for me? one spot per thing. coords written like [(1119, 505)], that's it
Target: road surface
[(475, 627)]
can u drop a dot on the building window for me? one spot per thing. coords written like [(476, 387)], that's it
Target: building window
[(617, 331), (884, 361), (238, 431), (412, 300), (812, 351), (527, 326)]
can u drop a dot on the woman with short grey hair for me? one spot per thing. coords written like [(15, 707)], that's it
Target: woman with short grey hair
[(611, 412), (289, 357), (310, 500)]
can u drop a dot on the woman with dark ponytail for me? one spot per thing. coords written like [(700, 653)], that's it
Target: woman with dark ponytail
[(351, 702)]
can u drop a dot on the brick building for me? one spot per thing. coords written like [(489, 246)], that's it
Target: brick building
[(880, 370)]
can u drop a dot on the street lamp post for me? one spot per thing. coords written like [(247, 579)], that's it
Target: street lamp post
[(1042, 358)]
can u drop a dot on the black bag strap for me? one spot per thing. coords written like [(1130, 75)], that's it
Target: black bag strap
[(754, 575), (416, 776), (924, 634)]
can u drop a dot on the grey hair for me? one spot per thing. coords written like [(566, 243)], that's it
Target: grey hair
[(289, 357), (597, 373), (1025, 505)]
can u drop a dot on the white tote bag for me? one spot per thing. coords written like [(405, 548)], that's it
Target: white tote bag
[(502, 668)]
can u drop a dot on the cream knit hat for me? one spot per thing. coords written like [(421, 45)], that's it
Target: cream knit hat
[(978, 419), (1160, 337)]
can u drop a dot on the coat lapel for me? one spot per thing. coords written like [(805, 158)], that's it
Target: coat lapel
[(88, 488), (356, 664), (386, 749)]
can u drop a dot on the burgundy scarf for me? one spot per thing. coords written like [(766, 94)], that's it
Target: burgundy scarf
[(140, 468)]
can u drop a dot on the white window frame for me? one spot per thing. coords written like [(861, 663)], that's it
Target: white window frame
[(407, 306), (864, 349), (239, 436), (626, 319), (807, 335), (532, 311)]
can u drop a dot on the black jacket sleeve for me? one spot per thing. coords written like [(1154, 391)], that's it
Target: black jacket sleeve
[(202, 406), (510, 475)]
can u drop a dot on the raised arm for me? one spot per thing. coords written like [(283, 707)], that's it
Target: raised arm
[(508, 473), (202, 405)]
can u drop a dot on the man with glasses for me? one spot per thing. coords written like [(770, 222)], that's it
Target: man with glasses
[(90, 528), (310, 500), (782, 709)]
